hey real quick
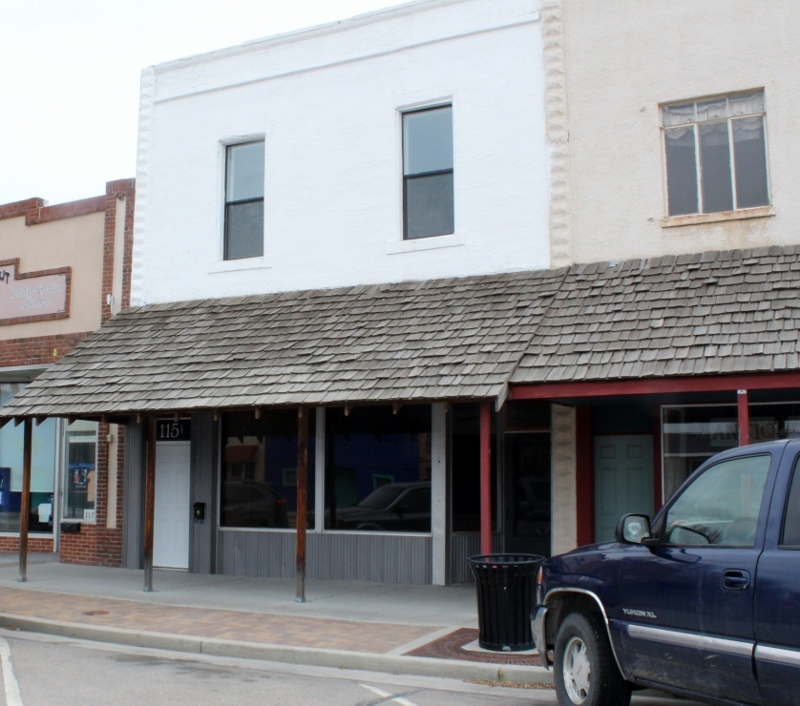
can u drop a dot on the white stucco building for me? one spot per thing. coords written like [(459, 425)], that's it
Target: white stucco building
[(325, 107)]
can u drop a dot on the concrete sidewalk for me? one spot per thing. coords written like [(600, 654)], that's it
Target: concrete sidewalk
[(345, 624)]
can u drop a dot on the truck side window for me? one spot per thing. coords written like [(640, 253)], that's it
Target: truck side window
[(720, 506), (791, 518)]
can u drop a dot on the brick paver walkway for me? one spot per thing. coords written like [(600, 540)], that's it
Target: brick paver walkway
[(226, 624)]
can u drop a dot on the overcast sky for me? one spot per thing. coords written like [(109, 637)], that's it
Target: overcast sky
[(69, 71)]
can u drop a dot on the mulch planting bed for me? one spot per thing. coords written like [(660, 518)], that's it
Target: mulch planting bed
[(451, 646)]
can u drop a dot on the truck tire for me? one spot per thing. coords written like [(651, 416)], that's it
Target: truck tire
[(584, 670)]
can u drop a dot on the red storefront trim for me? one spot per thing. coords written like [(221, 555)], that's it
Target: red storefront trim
[(771, 381)]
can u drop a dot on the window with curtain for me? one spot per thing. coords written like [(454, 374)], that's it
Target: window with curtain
[(716, 154)]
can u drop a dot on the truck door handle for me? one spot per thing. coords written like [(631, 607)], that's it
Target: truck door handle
[(735, 579)]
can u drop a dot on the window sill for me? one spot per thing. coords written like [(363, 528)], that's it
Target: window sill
[(246, 263), (693, 219), (395, 247)]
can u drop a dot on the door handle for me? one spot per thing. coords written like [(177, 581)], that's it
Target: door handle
[(736, 579)]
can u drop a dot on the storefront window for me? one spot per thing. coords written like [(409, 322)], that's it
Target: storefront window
[(378, 469), (80, 486), (259, 470), (43, 462), (693, 434)]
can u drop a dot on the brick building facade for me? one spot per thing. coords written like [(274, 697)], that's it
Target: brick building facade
[(64, 270)]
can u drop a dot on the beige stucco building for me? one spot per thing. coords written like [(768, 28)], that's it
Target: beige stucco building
[(673, 131), (626, 60)]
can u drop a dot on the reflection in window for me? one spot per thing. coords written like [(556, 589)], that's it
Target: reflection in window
[(43, 462), (259, 470), (790, 537), (720, 506), (378, 474), (80, 487), (693, 434)]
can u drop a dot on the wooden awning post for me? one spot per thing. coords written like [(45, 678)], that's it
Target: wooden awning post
[(149, 503), (302, 502), (486, 476), (25, 509)]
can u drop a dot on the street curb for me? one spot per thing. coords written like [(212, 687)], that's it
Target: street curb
[(310, 656)]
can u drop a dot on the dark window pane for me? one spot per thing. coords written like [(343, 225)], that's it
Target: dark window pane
[(681, 171), (791, 521), (715, 167), (244, 230), (259, 470), (245, 172), (750, 159), (427, 141), (721, 506), (429, 205), (378, 469)]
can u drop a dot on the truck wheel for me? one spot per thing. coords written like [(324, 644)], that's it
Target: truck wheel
[(584, 669)]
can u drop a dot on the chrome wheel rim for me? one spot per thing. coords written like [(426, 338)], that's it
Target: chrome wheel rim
[(577, 670)]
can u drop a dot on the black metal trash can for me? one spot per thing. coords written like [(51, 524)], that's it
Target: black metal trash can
[(505, 599)]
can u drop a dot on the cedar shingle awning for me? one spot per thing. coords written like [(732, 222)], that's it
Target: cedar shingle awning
[(716, 313), (734, 312), (413, 341)]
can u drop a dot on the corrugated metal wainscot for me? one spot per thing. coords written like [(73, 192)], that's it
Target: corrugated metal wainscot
[(463, 546), (345, 556)]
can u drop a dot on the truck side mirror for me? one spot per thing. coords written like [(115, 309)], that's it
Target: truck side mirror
[(633, 529)]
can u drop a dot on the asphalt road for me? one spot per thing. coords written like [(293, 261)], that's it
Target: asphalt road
[(41, 670)]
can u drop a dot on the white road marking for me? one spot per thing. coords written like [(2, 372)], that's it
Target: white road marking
[(13, 697), (386, 695)]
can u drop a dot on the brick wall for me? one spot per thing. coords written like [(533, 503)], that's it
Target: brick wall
[(41, 350), (35, 544)]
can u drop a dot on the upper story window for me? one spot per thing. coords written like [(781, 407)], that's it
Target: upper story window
[(716, 154), (244, 201), (428, 173)]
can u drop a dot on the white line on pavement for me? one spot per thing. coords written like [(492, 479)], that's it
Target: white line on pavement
[(386, 695), (13, 697)]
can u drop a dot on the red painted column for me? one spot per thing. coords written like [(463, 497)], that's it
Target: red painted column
[(744, 418), (486, 476)]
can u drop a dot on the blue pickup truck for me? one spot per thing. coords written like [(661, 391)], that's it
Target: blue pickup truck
[(703, 601)]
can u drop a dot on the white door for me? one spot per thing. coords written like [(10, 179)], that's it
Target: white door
[(623, 472), (171, 532)]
